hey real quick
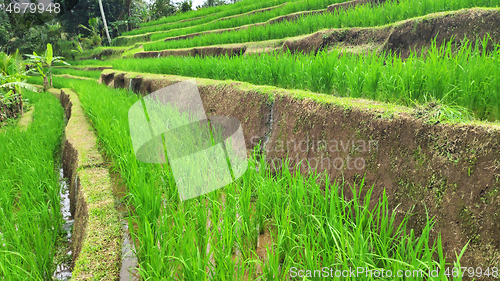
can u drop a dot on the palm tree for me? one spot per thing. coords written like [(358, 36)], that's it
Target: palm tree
[(104, 21)]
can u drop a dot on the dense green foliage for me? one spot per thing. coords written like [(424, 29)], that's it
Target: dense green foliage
[(362, 16), (30, 217), (467, 77), (303, 220)]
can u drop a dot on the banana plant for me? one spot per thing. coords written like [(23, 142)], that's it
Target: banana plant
[(12, 78), (43, 64)]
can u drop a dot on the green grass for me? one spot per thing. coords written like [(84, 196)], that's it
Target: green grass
[(83, 63), (311, 225), (466, 78), (30, 217), (242, 20), (94, 74), (362, 16), (212, 13)]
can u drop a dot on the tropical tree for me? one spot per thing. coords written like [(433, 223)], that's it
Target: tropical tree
[(213, 3), (43, 64), (185, 6), (162, 8), (94, 39)]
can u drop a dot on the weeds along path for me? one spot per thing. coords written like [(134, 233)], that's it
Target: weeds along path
[(30, 214), (303, 215)]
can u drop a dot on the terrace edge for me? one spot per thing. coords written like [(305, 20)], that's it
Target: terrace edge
[(96, 240)]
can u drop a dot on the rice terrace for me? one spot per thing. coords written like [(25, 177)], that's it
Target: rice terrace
[(250, 140)]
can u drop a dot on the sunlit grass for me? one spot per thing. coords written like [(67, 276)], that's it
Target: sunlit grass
[(83, 63)]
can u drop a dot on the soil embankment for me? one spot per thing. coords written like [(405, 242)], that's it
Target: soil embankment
[(453, 171), (406, 36)]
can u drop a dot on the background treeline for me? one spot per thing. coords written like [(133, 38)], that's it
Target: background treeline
[(81, 27)]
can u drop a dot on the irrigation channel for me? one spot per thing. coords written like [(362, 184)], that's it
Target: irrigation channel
[(63, 270), (128, 268)]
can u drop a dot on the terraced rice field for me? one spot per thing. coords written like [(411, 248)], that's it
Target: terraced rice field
[(31, 223), (418, 80)]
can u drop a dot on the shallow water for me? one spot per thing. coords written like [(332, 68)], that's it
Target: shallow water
[(128, 270), (63, 270)]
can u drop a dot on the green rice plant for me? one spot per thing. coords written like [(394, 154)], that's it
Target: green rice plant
[(464, 78), (30, 217), (361, 16), (312, 224), (215, 12), (241, 20)]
